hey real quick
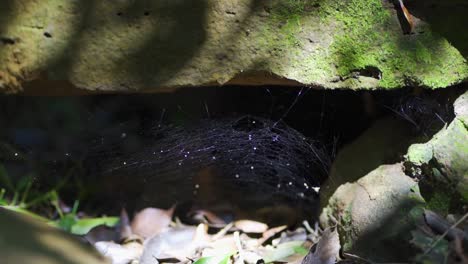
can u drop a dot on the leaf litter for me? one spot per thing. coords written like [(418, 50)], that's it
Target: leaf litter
[(155, 236)]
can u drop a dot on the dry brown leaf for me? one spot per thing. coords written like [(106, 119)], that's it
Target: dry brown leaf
[(408, 16), (102, 233), (151, 221), (125, 228), (249, 226), (327, 249), (205, 216)]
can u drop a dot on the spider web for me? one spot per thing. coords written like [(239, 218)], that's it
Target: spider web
[(246, 160)]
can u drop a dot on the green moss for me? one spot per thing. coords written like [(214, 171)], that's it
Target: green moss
[(311, 41), (415, 195), (419, 154), (287, 15), (367, 40), (462, 188), (439, 203), (347, 227)]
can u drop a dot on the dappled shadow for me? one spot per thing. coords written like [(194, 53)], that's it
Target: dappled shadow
[(59, 65), (149, 44), (5, 15), (172, 33), (447, 18), (178, 32), (148, 41), (389, 238)]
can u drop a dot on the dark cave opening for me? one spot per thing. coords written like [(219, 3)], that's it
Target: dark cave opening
[(57, 136)]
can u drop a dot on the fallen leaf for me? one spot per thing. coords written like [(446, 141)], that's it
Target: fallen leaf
[(125, 228), (222, 246), (205, 216), (83, 226), (174, 243), (408, 16), (300, 234), (282, 251), (120, 254), (151, 221), (251, 257), (249, 226), (327, 249), (102, 233), (214, 260)]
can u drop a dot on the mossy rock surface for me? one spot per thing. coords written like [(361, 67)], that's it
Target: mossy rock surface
[(376, 213), (161, 45), (383, 143), (444, 157)]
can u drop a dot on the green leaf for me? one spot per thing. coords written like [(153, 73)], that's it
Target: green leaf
[(301, 250), (83, 226), (283, 251), (66, 222), (214, 260)]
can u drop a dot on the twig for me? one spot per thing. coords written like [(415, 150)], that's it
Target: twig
[(270, 233), (308, 227), (445, 233), (239, 247), (439, 225), (356, 257), (222, 232)]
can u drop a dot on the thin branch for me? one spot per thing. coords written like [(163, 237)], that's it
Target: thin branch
[(445, 233)]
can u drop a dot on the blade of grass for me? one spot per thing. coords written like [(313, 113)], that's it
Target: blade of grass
[(26, 192)]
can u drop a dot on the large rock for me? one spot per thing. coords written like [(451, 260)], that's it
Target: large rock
[(28, 241), (374, 214), (383, 143), (444, 158), (131, 45)]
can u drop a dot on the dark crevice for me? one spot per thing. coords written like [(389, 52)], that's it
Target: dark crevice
[(56, 132), (8, 41)]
